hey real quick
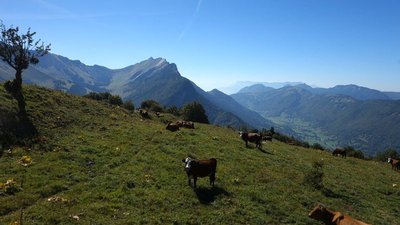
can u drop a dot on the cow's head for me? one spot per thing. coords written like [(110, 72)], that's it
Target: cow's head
[(318, 212), (243, 135), (188, 163), (389, 160)]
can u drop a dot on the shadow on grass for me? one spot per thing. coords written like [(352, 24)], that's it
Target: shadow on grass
[(15, 129), (261, 150), (264, 151), (330, 194), (207, 195)]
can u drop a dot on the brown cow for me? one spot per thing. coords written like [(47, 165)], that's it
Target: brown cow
[(339, 151), (252, 137), (172, 126), (395, 163), (200, 168), (333, 218)]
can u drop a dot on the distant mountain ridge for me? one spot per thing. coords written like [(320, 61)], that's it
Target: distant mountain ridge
[(355, 91), (154, 78), (339, 116)]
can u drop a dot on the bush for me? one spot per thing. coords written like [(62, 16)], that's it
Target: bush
[(114, 100), (129, 105), (105, 97), (317, 146), (314, 178), (195, 112), (174, 110), (350, 151), (151, 105)]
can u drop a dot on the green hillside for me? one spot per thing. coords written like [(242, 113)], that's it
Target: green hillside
[(106, 165)]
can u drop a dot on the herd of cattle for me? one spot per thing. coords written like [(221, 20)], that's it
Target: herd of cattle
[(208, 167)]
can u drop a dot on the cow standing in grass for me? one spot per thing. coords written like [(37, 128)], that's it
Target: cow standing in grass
[(339, 151), (395, 163), (333, 218), (251, 137), (200, 168)]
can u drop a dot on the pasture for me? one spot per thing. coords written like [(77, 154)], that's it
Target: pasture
[(97, 164)]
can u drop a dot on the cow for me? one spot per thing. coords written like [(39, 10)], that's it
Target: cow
[(144, 113), (188, 124), (339, 151), (185, 124), (172, 126), (252, 137), (329, 217), (267, 138), (395, 163), (200, 168)]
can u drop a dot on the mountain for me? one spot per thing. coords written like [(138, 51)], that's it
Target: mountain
[(250, 117), (393, 95), (330, 119), (154, 78), (61, 73), (256, 88), (357, 92), (234, 88)]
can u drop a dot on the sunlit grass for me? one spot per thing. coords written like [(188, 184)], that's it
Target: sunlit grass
[(106, 165)]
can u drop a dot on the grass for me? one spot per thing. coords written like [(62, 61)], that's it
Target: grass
[(112, 167)]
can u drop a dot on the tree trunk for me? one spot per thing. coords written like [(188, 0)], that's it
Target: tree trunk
[(17, 83), (17, 89)]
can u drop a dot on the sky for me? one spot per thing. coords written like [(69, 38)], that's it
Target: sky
[(215, 43)]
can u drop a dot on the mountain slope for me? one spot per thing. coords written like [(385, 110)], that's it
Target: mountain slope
[(334, 120), (150, 79), (230, 105), (107, 166)]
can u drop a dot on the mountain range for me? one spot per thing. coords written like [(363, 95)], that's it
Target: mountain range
[(339, 116), (154, 78), (343, 115)]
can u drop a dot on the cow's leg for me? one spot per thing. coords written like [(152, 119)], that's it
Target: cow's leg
[(212, 179), (194, 181)]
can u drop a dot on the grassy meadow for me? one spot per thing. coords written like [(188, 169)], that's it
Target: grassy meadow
[(98, 164)]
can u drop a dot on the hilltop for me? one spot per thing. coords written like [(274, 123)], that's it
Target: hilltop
[(106, 165)]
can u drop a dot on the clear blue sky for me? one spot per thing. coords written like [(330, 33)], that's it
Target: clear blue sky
[(217, 42)]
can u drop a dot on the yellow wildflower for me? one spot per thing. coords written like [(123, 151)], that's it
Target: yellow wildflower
[(25, 160)]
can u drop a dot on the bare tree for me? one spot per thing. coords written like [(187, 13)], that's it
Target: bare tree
[(18, 51)]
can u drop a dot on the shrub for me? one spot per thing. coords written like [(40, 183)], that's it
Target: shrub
[(317, 146), (195, 112), (114, 100), (174, 110), (129, 105), (350, 151), (151, 105), (105, 97)]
